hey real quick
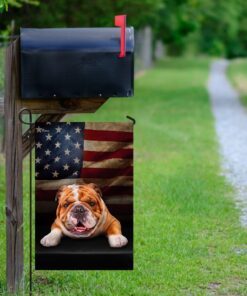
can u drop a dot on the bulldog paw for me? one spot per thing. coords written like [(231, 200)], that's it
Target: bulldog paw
[(52, 239), (117, 240)]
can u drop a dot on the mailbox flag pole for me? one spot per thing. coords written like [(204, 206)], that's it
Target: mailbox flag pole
[(120, 21)]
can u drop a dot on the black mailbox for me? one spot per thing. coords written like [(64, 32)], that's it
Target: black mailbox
[(76, 63)]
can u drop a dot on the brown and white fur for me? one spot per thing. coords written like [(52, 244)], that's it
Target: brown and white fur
[(82, 213)]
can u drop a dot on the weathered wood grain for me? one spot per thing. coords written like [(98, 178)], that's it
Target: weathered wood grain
[(63, 106), (14, 202), (1, 106)]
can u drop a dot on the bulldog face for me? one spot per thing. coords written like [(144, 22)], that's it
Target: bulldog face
[(79, 208)]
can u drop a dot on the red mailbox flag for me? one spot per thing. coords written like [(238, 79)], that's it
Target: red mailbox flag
[(120, 21)]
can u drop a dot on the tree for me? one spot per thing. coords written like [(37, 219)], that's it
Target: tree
[(176, 20), (211, 27), (16, 3), (215, 27), (78, 13), (3, 5), (219, 26)]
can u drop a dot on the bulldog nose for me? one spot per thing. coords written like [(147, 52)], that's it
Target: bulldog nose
[(79, 209)]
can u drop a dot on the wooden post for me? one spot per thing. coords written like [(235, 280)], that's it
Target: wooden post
[(14, 202), (16, 148)]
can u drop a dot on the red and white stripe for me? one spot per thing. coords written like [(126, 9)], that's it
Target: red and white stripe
[(107, 162)]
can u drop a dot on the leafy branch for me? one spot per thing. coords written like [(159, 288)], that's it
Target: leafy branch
[(4, 4)]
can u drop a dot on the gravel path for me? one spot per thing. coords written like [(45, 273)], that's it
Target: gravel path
[(231, 128)]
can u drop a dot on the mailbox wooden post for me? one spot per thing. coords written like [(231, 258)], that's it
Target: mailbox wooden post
[(14, 204), (27, 86), (17, 148)]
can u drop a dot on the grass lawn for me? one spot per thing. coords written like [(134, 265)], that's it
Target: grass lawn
[(237, 72), (188, 239)]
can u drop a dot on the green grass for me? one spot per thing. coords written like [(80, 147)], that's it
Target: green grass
[(188, 240), (237, 72)]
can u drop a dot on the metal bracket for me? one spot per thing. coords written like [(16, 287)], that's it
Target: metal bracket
[(132, 119)]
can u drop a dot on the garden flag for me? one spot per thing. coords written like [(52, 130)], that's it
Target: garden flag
[(84, 195)]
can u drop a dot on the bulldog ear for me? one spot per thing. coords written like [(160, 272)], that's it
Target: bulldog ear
[(60, 189), (96, 188)]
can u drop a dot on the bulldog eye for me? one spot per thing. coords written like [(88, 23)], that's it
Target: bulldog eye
[(66, 205), (92, 203)]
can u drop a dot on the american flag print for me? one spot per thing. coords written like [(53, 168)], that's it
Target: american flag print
[(77, 153)]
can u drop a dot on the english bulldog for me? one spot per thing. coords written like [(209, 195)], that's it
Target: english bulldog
[(82, 213)]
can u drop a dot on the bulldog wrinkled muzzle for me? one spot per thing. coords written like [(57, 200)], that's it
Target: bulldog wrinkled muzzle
[(81, 219)]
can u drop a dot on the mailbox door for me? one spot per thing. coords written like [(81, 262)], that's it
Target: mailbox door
[(76, 63)]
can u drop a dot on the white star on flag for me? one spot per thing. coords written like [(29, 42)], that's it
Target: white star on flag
[(76, 160), (47, 152), (67, 137), (77, 145), (55, 174), (66, 167), (48, 137), (38, 145), (58, 129), (57, 145), (38, 129), (37, 160), (67, 152), (77, 130), (57, 158), (46, 167)]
